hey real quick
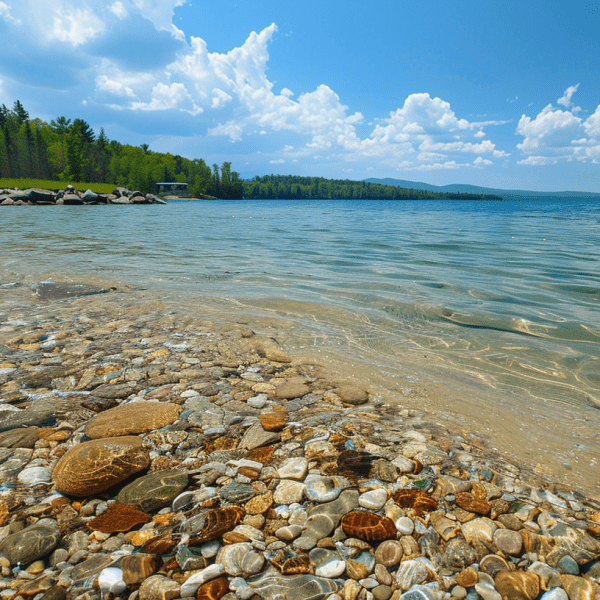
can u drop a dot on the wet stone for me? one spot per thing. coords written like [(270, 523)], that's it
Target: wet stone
[(153, 491), (517, 585), (507, 541), (256, 437), (159, 587), (138, 567), (368, 526), (214, 589), (236, 493), (119, 517), (132, 418), (294, 587), (30, 543), (91, 566), (389, 553), (92, 467)]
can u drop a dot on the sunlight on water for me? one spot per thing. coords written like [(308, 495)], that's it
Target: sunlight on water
[(502, 299)]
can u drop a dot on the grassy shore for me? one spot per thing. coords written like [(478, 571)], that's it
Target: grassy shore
[(99, 188)]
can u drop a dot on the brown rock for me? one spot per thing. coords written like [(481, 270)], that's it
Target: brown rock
[(498, 507), (259, 504), (389, 553), (256, 437), (119, 517), (138, 567), (292, 389), (132, 418), (161, 544), (471, 503), (467, 578), (159, 587), (418, 500), (95, 466), (517, 585), (579, 588), (218, 522), (368, 526), (214, 589), (274, 421), (352, 395), (509, 542)]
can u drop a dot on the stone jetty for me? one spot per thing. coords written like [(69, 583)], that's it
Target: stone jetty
[(150, 457), (71, 196)]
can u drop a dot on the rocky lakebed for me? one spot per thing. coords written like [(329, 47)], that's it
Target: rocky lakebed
[(148, 456)]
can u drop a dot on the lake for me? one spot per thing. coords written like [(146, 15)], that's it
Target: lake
[(486, 314)]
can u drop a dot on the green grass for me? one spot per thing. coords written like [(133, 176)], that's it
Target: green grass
[(99, 188)]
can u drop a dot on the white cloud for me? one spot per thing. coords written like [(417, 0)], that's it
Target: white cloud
[(111, 86), (556, 135), (76, 26), (118, 10), (278, 161), (480, 162), (168, 97), (479, 134), (220, 98), (5, 13), (566, 98)]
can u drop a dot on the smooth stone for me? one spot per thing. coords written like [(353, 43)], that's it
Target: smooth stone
[(294, 587), (374, 499), (138, 567), (445, 527), (236, 493), (492, 564), (352, 395), (293, 468), (568, 565), (578, 588), (110, 581), (119, 517), (159, 587), (240, 559), (190, 586), (34, 475), (321, 489), (259, 504), (132, 418), (92, 467), (256, 436), (327, 563), (288, 492), (274, 421), (91, 566), (382, 592), (291, 389), (509, 542), (487, 591), (414, 572), (153, 491), (419, 592), (549, 577), (288, 533), (517, 585), (29, 544), (215, 589), (389, 553), (324, 518), (405, 525)]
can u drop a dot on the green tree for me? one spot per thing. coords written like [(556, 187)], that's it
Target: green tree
[(20, 112)]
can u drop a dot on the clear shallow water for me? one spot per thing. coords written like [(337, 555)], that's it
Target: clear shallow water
[(496, 300)]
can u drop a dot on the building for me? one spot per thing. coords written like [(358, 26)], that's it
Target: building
[(166, 188)]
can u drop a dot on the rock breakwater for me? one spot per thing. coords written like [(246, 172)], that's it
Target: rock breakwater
[(73, 197), (146, 456)]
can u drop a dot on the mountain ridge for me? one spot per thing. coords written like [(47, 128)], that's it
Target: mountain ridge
[(475, 189)]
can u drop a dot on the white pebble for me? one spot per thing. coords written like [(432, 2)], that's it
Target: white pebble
[(111, 581), (374, 500), (405, 525), (190, 586), (331, 569)]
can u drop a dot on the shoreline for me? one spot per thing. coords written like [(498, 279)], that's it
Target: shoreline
[(268, 450)]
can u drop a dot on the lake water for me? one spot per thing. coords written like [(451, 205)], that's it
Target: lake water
[(486, 314)]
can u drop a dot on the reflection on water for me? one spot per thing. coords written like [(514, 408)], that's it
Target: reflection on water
[(503, 296)]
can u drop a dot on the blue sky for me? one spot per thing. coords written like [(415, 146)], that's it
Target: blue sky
[(498, 93)]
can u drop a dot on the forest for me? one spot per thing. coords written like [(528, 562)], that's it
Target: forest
[(66, 149)]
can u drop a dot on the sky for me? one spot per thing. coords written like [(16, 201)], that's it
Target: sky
[(498, 93)]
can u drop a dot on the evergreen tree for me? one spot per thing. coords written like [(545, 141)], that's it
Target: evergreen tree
[(20, 112)]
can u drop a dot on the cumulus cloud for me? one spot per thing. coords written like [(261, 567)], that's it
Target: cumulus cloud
[(566, 97), (169, 97), (118, 10), (556, 135), (76, 26)]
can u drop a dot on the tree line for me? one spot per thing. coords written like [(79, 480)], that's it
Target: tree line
[(65, 150), (297, 187)]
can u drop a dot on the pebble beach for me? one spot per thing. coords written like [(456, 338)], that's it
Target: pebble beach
[(145, 455)]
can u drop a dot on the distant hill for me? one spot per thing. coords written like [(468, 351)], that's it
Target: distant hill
[(475, 189)]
